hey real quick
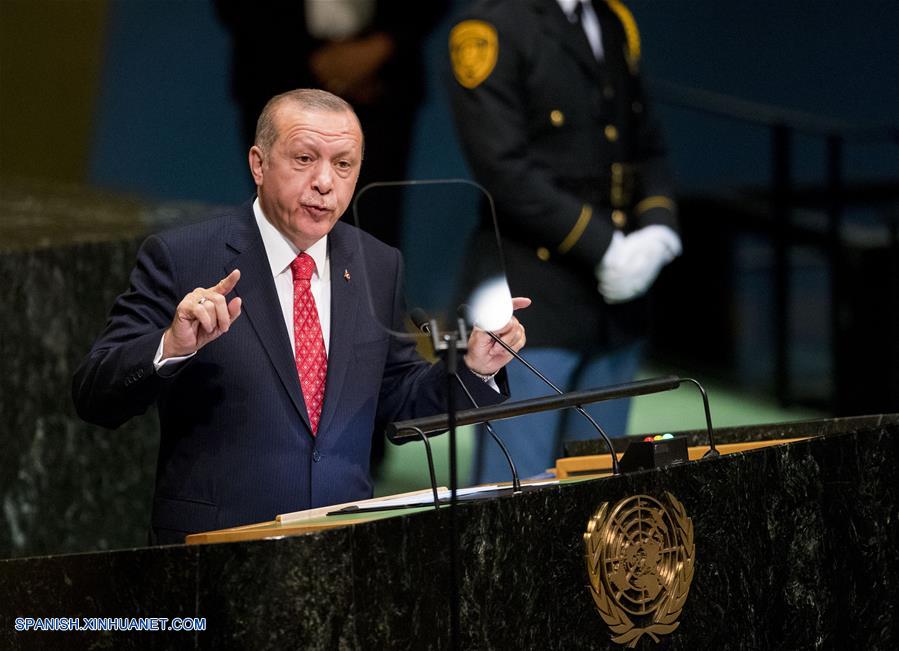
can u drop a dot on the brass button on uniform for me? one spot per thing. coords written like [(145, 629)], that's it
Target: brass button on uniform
[(557, 117), (611, 133), (608, 92), (543, 253), (619, 218)]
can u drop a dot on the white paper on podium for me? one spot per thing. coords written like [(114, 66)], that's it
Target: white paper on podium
[(426, 498), (416, 498)]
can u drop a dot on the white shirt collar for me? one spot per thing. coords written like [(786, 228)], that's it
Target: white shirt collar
[(568, 7), (281, 251)]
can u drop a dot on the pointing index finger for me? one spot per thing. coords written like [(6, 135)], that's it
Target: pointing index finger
[(226, 284)]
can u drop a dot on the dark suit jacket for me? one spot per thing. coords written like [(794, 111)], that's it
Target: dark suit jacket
[(236, 445), (542, 133)]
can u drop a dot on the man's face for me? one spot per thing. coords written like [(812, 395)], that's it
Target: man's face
[(306, 180)]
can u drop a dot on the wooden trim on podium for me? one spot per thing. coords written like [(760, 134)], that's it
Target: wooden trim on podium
[(263, 530), (300, 522), (602, 463)]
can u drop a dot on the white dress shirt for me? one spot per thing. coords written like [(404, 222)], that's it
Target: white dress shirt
[(280, 253)]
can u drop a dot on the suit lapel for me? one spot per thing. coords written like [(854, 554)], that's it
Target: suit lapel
[(345, 296), (260, 304), (571, 36)]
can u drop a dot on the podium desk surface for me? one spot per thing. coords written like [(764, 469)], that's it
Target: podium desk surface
[(378, 508), (568, 469), (602, 463)]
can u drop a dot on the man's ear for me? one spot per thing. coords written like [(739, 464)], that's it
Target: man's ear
[(256, 163)]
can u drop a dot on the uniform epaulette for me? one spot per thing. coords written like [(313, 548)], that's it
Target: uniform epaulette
[(631, 33)]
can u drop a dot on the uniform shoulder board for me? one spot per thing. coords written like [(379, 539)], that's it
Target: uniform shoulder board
[(631, 33), (473, 47)]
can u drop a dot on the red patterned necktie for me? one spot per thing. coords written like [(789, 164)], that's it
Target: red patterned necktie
[(309, 344)]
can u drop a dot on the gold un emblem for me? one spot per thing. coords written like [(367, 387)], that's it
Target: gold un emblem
[(640, 558)]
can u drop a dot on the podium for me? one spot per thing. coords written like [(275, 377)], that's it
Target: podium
[(795, 547)]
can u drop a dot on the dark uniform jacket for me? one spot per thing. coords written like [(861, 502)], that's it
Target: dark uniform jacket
[(567, 148)]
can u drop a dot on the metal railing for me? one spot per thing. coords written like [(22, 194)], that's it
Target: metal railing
[(783, 124)]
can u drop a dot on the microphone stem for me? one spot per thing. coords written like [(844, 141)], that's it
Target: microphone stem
[(420, 320), (424, 439), (516, 481), (712, 451), (578, 408)]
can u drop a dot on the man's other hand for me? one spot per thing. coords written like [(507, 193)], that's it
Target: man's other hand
[(487, 357)]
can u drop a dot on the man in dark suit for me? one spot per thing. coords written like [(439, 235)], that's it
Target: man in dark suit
[(549, 105), (274, 412)]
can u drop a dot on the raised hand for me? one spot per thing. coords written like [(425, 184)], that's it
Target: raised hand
[(202, 316)]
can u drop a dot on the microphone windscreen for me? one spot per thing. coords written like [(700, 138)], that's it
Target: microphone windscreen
[(420, 319)]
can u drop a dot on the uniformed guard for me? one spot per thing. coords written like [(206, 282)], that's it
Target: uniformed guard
[(550, 108)]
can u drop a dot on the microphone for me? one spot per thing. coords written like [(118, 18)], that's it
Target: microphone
[(420, 319), (605, 437)]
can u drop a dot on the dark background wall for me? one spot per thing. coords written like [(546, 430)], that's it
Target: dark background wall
[(50, 60), (832, 58), (133, 95)]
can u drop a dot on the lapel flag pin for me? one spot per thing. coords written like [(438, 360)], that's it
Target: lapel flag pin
[(346, 275)]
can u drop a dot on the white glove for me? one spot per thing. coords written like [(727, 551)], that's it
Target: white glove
[(632, 262)]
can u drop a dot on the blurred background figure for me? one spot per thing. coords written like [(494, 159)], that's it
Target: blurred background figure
[(551, 112), (366, 51)]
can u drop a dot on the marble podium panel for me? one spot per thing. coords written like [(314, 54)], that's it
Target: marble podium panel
[(65, 253)]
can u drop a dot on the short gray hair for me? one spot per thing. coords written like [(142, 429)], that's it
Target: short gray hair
[(306, 98)]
